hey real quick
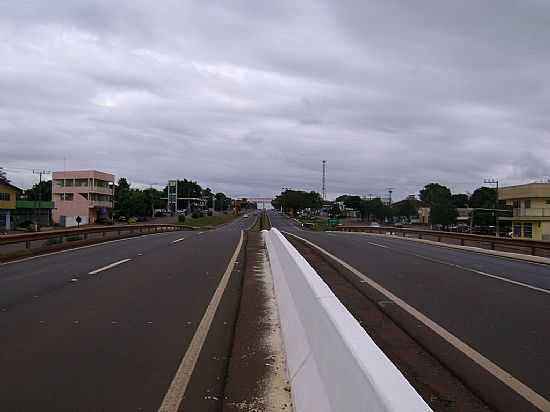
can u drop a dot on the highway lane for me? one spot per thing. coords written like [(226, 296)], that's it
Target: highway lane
[(114, 340), (506, 322)]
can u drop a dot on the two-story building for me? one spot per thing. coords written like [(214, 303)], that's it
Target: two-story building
[(8, 196), (531, 210), (87, 194)]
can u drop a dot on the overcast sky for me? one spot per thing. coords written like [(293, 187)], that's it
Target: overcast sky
[(249, 96)]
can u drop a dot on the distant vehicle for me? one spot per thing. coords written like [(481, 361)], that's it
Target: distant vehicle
[(122, 219), (374, 224), (132, 220), (245, 215)]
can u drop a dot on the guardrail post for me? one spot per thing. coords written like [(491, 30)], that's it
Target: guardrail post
[(534, 250), (492, 245), (419, 235), (85, 236), (439, 239), (28, 244), (462, 242), (104, 233)]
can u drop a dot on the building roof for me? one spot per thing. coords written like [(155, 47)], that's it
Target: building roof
[(527, 191), (10, 185)]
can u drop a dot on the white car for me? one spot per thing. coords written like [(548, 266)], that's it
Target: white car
[(245, 215)]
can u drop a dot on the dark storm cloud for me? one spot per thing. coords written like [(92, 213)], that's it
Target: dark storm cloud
[(248, 97)]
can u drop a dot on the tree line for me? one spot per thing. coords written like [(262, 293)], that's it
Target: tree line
[(442, 203)]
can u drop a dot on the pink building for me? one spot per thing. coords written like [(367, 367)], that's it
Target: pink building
[(85, 193)]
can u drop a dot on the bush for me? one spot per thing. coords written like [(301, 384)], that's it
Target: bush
[(197, 214), (54, 241), (181, 218), (73, 238), (209, 213)]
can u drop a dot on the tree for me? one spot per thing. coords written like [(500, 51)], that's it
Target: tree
[(350, 201), (484, 197), (40, 191), (435, 193), (460, 200), (442, 210), (3, 176), (443, 213), (297, 200), (122, 198), (406, 208), (374, 209)]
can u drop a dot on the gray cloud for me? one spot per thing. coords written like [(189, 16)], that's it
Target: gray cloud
[(248, 97)]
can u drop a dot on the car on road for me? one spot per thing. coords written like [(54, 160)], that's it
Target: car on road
[(245, 215)]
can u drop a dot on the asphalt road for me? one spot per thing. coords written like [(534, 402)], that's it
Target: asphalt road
[(113, 340), (498, 306)]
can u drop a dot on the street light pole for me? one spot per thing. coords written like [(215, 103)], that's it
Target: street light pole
[(494, 182)]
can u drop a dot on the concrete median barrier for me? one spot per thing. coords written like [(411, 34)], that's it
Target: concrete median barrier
[(333, 364)]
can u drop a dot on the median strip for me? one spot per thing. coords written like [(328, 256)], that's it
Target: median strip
[(112, 265)]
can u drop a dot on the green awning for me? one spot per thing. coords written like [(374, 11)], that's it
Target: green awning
[(31, 204)]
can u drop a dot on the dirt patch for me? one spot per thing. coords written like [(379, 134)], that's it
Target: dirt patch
[(257, 379)]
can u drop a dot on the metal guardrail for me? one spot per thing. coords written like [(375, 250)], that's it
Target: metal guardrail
[(534, 247), (27, 238)]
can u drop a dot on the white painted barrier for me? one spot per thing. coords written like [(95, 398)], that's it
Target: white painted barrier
[(334, 366)]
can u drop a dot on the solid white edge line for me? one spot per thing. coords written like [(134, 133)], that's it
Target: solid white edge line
[(505, 377), (172, 400), (477, 272), (112, 265)]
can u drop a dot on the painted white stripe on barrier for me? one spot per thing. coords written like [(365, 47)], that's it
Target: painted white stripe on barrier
[(333, 364)]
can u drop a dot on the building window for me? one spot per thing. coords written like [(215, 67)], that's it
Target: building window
[(517, 229), (516, 204), (66, 196), (527, 204), (5, 196), (60, 182), (528, 230)]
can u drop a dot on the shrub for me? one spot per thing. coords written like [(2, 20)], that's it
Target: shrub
[(181, 218), (54, 241), (209, 213), (73, 238)]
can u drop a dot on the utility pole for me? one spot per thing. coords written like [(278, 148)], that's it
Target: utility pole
[(37, 220), (494, 182), (324, 188), (390, 191)]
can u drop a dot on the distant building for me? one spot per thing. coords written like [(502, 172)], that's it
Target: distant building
[(87, 194), (424, 215), (8, 196), (531, 210)]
